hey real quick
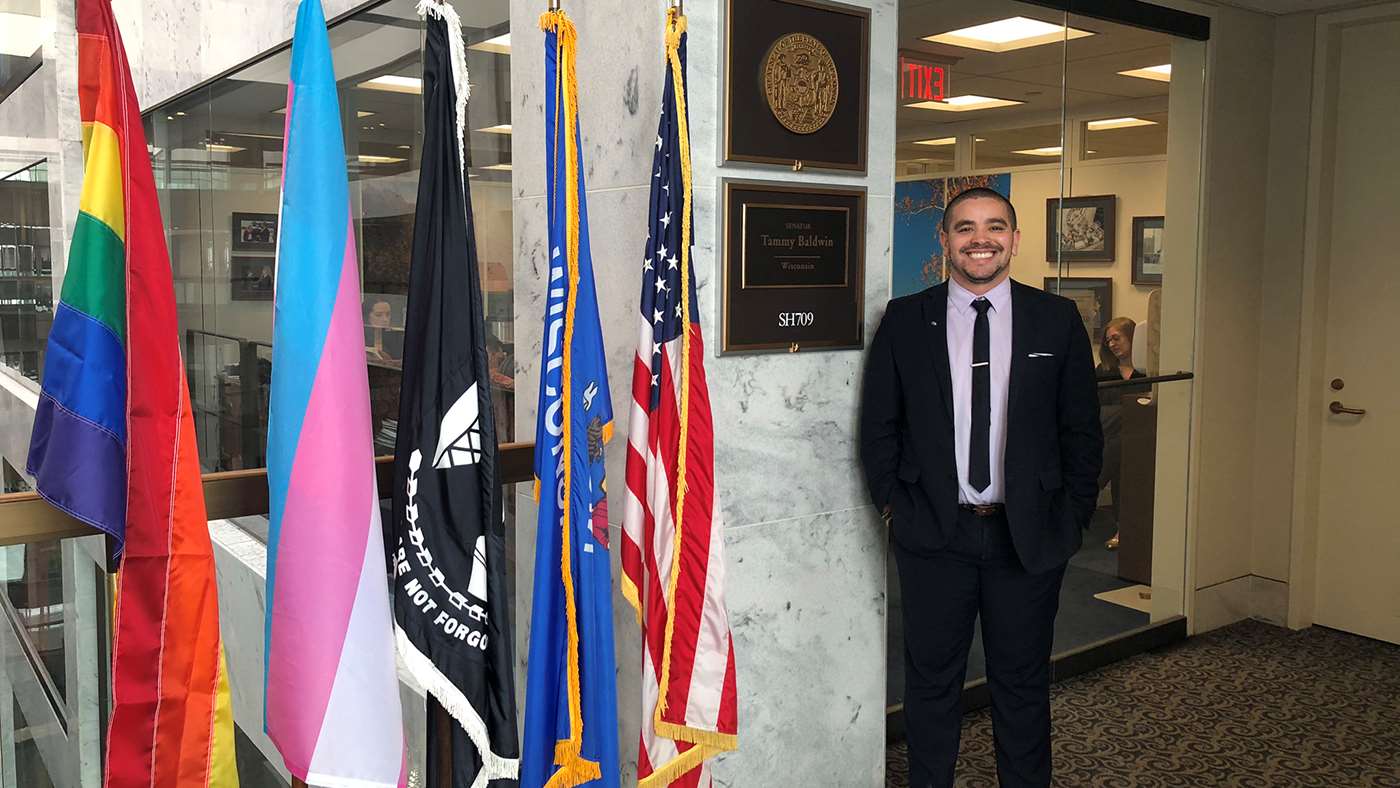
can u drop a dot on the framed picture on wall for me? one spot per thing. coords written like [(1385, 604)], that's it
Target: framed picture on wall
[(255, 232), (250, 277), (1093, 296), (1147, 250), (1081, 229)]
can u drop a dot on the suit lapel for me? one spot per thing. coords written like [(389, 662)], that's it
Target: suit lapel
[(1022, 334), (935, 320)]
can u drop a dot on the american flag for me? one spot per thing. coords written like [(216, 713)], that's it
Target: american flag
[(673, 558)]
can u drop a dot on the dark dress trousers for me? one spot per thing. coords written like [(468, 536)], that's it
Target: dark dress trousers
[(954, 564)]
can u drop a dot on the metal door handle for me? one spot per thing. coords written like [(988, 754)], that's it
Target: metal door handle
[(1338, 408)]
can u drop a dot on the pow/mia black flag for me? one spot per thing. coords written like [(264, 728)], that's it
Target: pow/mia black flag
[(447, 550)]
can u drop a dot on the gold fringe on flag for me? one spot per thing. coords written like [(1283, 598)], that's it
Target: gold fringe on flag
[(675, 27), (568, 755)]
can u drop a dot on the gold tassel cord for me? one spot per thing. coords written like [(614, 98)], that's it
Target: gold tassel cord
[(574, 769), (675, 28)]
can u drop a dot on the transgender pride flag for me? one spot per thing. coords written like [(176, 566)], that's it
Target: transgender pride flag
[(332, 692)]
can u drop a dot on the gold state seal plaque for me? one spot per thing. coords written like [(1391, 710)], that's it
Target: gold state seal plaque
[(800, 82)]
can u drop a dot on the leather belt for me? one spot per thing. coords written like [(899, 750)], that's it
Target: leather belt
[(983, 510)]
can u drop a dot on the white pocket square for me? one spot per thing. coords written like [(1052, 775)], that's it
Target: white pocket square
[(1040, 355)]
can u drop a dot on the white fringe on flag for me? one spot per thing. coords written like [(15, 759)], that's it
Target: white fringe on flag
[(493, 766), (458, 50)]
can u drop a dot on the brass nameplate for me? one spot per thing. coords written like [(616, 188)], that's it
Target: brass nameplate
[(794, 275), (788, 245)]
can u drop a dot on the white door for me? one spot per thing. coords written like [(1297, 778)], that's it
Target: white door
[(1358, 553)]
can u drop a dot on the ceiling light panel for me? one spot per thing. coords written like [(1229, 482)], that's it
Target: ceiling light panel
[(1005, 35), (1053, 150), (1162, 73), (1118, 123), (939, 141), (503, 128), (500, 45), (394, 84), (968, 103)]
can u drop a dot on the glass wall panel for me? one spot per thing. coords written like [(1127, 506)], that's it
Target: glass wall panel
[(217, 154), (218, 158), (1133, 130), (26, 270), (1027, 146), (1144, 134), (927, 157)]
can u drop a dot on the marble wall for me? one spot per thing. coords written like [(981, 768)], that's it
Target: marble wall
[(806, 553)]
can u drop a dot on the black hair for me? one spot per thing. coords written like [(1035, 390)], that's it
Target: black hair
[(973, 194)]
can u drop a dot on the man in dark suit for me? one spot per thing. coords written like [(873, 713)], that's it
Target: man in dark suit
[(981, 443)]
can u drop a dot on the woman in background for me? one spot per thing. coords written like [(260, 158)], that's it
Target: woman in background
[(1115, 363)]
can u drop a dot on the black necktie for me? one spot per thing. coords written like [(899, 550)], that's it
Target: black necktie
[(979, 466)]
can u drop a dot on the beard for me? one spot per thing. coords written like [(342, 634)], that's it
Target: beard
[(956, 261)]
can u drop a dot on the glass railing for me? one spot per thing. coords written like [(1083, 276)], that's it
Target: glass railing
[(33, 603), (53, 644)]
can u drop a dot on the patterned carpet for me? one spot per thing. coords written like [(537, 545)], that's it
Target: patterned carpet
[(1249, 705)]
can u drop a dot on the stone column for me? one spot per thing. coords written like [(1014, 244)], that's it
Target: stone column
[(805, 550)]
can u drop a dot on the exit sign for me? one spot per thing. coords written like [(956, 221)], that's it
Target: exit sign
[(922, 80)]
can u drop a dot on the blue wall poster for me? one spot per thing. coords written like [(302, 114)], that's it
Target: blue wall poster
[(918, 213)]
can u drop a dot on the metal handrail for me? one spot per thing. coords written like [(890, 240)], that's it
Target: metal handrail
[(1147, 381), (26, 517)]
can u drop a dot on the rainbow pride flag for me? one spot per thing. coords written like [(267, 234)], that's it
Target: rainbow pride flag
[(332, 691), (113, 444)]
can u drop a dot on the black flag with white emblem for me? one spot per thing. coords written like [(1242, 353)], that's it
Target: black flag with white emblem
[(447, 550)]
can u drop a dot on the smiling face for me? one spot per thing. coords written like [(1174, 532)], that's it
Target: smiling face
[(980, 242)]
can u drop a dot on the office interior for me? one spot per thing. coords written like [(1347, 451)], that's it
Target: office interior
[(1242, 172)]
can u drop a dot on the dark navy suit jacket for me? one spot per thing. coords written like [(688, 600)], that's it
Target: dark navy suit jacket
[(1054, 443)]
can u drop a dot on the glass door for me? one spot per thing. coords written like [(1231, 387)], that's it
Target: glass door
[(1132, 129)]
